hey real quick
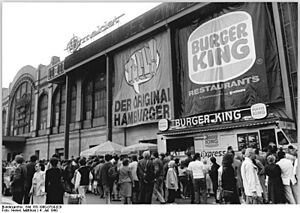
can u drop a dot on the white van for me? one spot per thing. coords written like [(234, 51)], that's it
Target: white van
[(215, 144)]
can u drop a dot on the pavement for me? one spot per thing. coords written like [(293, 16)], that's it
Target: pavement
[(95, 199)]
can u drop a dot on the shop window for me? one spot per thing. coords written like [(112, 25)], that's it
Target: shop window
[(267, 136), (248, 140), (43, 109), (180, 146)]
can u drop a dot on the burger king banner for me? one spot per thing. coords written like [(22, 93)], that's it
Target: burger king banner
[(228, 59), (142, 83)]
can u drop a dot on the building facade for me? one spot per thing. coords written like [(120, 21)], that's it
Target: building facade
[(180, 75)]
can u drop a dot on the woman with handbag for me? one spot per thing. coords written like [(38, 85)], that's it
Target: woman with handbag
[(228, 181), (37, 191), (171, 182)]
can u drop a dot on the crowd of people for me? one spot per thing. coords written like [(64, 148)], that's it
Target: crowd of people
[(251, 177)]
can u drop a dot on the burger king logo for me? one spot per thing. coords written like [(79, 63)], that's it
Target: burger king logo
[(221, 49)]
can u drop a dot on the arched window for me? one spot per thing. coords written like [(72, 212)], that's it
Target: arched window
[(56, 108), (22, 109), (3, 121), (73, 103), (42, 112), (59, 106)]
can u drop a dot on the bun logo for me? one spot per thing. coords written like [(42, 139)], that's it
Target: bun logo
[(221, 49), (142, 65)]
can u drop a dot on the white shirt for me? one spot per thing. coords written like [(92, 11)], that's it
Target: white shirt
[(133, 167), (287, 171), (197, 169), (250, 178)]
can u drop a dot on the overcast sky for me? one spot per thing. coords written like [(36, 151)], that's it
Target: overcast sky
[(34, 32)]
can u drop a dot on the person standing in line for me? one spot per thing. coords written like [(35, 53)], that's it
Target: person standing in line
[(37, 190), (126, 182), (207, 168), (159, 178), (228, 180), (198, 174), (288, 178), (18, 180), (190, 186), (237, 163), (98, 177), (213, 173), (107, 183), (82, 179), (146, 177), (53, 183), (275, 185), (30, 172), (166, 160), (171, 182), (253, 190), (182, 175), (133, 168)]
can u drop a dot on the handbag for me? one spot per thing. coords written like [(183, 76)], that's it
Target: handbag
[(227, 194)]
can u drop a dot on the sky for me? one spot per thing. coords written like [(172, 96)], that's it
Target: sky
[(33, 32)]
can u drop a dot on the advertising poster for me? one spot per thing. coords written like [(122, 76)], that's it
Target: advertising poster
[(228, 60), (142, 83)]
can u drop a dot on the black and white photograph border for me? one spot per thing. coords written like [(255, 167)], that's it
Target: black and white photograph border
[(166, 102)]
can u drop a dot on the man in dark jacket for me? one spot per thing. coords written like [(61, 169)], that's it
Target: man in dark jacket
[(146, 176), (107, 183), (213, 174), (18, 180), (30, 172)]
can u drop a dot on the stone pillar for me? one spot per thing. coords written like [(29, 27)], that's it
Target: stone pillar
[(35, 117), (67, 116), (109, 100), (49, 113)]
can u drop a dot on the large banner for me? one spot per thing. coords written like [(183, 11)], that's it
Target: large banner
[(142, 83), (228, 60)]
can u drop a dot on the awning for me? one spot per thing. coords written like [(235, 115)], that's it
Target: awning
[(6, 140), (224, 126)]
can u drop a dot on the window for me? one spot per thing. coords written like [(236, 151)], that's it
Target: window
[(87, 98), (282, 139), (37, 154), (248, 140), (62, 105), (73, 103), (3, 121), (60, 152), (100, 96), (267, 136), (22, 109), (94, 97), (42, 112)]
